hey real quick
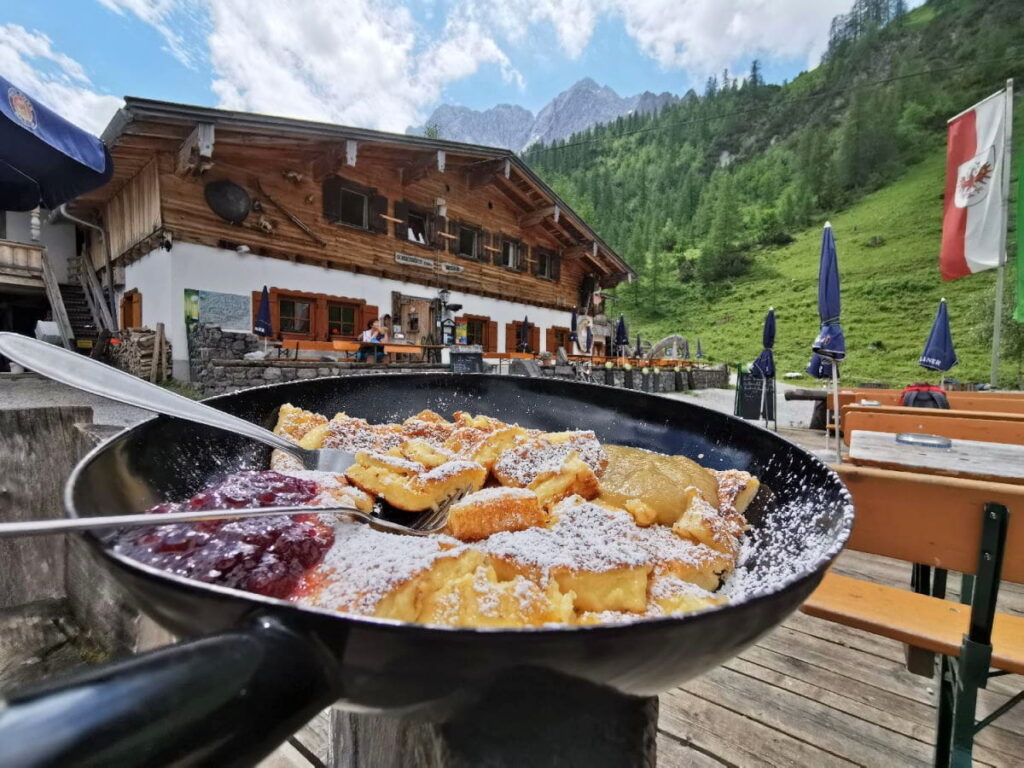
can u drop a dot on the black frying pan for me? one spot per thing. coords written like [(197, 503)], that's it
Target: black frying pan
[(261, 667)]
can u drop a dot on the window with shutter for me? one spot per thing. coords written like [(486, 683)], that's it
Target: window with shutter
[(470, 242), (347, 203), (545, 263), (417, 226), (511, 254)]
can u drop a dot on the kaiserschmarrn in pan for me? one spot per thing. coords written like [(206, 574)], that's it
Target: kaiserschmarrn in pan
[(549, 528)]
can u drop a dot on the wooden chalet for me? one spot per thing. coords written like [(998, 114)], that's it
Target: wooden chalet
[(346, 225)]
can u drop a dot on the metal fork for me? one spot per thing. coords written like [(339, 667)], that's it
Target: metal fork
[(429, 522)]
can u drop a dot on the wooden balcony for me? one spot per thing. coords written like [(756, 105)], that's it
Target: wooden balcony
[(21, 264)]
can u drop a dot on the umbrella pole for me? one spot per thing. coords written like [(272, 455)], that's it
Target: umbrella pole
[(835, 409)]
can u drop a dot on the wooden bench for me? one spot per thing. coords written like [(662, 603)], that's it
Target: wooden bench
[(948, 524), (300, 345), (989, 426), (988, 402)]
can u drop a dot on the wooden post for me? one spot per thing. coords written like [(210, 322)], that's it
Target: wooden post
[(158, 355), (527, 717)]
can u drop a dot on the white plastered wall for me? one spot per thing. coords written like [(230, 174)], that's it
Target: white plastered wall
[(162, 277), (58, 239)]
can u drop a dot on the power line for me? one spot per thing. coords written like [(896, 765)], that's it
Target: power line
[(785, 103)]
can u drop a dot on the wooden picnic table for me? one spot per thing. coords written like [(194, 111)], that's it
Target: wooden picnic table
[(972, 459)]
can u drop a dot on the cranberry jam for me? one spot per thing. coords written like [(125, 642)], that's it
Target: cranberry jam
[(265, 555)]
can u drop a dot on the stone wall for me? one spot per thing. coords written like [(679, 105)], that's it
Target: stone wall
[(208, 342), (217, 377)]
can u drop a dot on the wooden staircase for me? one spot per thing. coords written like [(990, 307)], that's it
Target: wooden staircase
[(80, 316)]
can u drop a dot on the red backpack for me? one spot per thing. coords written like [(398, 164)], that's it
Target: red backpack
[(925, 396)]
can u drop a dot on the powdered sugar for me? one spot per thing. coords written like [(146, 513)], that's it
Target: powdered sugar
[(364, 565), (498, 493), (524, 463)]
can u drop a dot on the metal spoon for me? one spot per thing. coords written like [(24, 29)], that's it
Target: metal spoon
[(426, 524), (106, 381)]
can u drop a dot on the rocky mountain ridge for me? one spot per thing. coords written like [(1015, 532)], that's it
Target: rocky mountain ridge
[(575, 109)]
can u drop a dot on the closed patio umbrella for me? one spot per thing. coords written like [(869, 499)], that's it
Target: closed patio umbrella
[(262, 325), (700, 352), (524, 335), (574, 337), (686, 349), (830, 342), (621, 336), (764, 365), (589, 340), (44, 159), (639, 351), (938, 354)]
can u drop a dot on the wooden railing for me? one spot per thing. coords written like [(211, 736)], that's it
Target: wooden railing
[(21, 259)]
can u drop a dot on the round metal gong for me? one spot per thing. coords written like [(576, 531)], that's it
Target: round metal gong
[(228, 200)]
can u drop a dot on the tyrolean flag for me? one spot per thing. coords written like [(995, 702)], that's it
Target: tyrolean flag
[(974, 210)]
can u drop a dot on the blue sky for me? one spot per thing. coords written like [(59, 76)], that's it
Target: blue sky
[(386, 63)]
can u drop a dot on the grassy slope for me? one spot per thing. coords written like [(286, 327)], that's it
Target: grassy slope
[(889, 293)]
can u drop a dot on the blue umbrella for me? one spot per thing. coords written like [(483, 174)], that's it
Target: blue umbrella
[(764, 366), (638, 352), (589, 340), (939, 354), (524, 335), (686, 349), (830, 342), (44, 159), (262, 325), (700, 352), (621, 335), (819, 367), (573, 336)]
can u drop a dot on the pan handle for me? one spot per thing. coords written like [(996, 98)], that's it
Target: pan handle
[(227, 700)]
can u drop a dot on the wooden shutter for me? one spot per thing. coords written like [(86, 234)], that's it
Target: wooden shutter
[(556, 267), (510, 337), (491, 342), (332, 198), (402, 227), (549, 341), (522, 257), (378, 209), (370, 312), (494, 240), (534, 339)]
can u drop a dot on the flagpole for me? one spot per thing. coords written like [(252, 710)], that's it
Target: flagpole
[(997, 321)]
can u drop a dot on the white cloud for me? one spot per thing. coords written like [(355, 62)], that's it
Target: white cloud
[(28, 60), (573, 21), (702, 36)]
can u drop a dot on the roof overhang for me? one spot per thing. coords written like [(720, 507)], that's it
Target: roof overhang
[(522, 184)]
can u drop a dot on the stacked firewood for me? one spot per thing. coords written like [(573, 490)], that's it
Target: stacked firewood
[(143, 352)]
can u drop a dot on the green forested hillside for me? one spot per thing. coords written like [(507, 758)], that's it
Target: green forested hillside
[(717, 201)]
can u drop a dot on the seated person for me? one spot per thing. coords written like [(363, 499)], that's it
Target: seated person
[(372, 335)]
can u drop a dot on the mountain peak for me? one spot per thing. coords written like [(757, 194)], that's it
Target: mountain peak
[(584, 104)]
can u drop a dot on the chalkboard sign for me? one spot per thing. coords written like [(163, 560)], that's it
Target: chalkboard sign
[(751, 395), (467, 362)]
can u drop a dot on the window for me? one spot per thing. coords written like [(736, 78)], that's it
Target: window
[(468, 243), (476, 332), (295, 315), (561, 337), (510, 254), (546, 264), (354, 209), (349, 204), (341, 319), (417, 227)]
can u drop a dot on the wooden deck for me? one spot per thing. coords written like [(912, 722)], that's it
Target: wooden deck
[(815, 693)]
